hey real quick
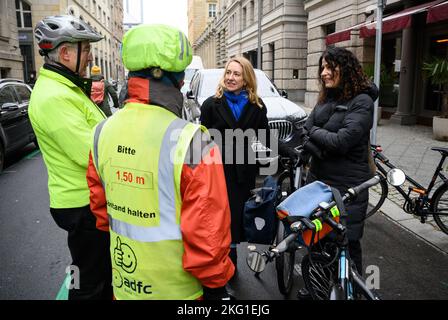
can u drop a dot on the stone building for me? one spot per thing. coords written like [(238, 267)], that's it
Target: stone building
[(105, 16), (210, 44), (413, 32), (200, 13), (283, 39), (11, 61)]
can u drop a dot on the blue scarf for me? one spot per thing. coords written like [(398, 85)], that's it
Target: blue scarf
[(236, 102)]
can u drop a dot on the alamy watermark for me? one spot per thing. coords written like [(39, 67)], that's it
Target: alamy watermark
[(72, 279), (373, 277), (236, 146)]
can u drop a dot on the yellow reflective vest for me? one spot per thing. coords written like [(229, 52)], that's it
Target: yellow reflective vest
[(138, 154)]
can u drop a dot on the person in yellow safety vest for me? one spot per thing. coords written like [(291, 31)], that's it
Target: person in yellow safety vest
[(63, 116), (102, 90), (157, 182)]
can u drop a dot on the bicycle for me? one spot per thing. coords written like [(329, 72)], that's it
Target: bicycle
[(424, 203), (292, 178), (329, 274)]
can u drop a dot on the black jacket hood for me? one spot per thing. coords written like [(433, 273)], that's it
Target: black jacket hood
[(372, 91)]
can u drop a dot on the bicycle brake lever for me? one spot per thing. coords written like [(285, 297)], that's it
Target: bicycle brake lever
[(309, 225), (335, 225)]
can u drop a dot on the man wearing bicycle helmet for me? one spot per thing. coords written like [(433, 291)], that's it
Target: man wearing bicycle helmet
[(62, 116), (156, 181)]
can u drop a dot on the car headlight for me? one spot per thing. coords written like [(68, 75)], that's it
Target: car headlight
[(299, 123)]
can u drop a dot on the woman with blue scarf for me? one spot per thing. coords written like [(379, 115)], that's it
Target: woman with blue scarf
[(239, 116)]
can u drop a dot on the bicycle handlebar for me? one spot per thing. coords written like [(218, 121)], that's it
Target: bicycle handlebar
[(363, 186), (306, 224), (378, 153)]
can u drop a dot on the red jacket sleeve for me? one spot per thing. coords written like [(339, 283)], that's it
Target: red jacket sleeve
[(205, 221), (98, 204)]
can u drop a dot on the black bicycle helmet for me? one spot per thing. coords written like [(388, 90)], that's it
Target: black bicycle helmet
[(54, 30)]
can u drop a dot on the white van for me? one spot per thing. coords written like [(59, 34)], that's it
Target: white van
[(196, 64)]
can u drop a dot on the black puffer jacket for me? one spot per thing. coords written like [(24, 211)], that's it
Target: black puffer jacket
[(341, 132)]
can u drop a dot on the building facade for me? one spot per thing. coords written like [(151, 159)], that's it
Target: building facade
[(295, 33), (211, 44), (283, 39), (11, 61), (413, 33), (200, 13), (105, 16)]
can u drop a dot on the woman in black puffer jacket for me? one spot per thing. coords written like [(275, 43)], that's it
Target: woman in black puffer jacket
[(338, 131)]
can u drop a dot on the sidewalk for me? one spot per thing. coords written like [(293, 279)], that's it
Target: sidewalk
[(409, 148)]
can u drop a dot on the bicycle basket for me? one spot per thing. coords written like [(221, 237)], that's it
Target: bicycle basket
[(259, 213), (301, 203)]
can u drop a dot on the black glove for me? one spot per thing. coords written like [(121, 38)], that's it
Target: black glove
[(219, 293), (288, 152), (312, 149)]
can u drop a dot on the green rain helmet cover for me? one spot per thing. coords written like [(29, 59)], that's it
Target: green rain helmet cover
[(162, 46)]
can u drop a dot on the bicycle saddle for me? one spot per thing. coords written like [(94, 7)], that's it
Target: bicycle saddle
[(443, 151)]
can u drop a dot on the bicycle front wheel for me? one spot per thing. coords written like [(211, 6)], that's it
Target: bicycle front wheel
[(319, 275), (379, 197), (284, 263), (439, 207)]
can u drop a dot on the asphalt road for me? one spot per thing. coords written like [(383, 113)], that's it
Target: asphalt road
[(33, 249), (34, 252)]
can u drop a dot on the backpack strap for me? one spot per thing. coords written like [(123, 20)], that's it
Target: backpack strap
[(339, 202)]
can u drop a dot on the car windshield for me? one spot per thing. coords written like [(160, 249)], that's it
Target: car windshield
[(210, 82), (189, 73)]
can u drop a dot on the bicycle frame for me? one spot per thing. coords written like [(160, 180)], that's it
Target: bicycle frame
[(347, 278), (380, 158), (293, 172)]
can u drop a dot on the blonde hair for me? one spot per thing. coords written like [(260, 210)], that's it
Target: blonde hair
[(248, 77)]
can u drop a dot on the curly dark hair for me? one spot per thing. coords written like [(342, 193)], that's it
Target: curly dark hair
[(353, 80)]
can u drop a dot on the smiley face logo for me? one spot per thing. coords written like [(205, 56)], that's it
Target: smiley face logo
[(124, 257), (117, 278)]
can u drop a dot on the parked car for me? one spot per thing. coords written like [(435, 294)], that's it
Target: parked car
[(282, 113), (15, 126), (195, 65)]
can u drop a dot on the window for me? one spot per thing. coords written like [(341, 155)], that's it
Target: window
[(243, 19), (23, 13), (3, 22), (4, 73), (7, 95), (23, 93), (251, 13), (211, 10), (330, 28)]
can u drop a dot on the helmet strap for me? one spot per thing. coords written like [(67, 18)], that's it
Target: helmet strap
[(78, 58), (43, 53)]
